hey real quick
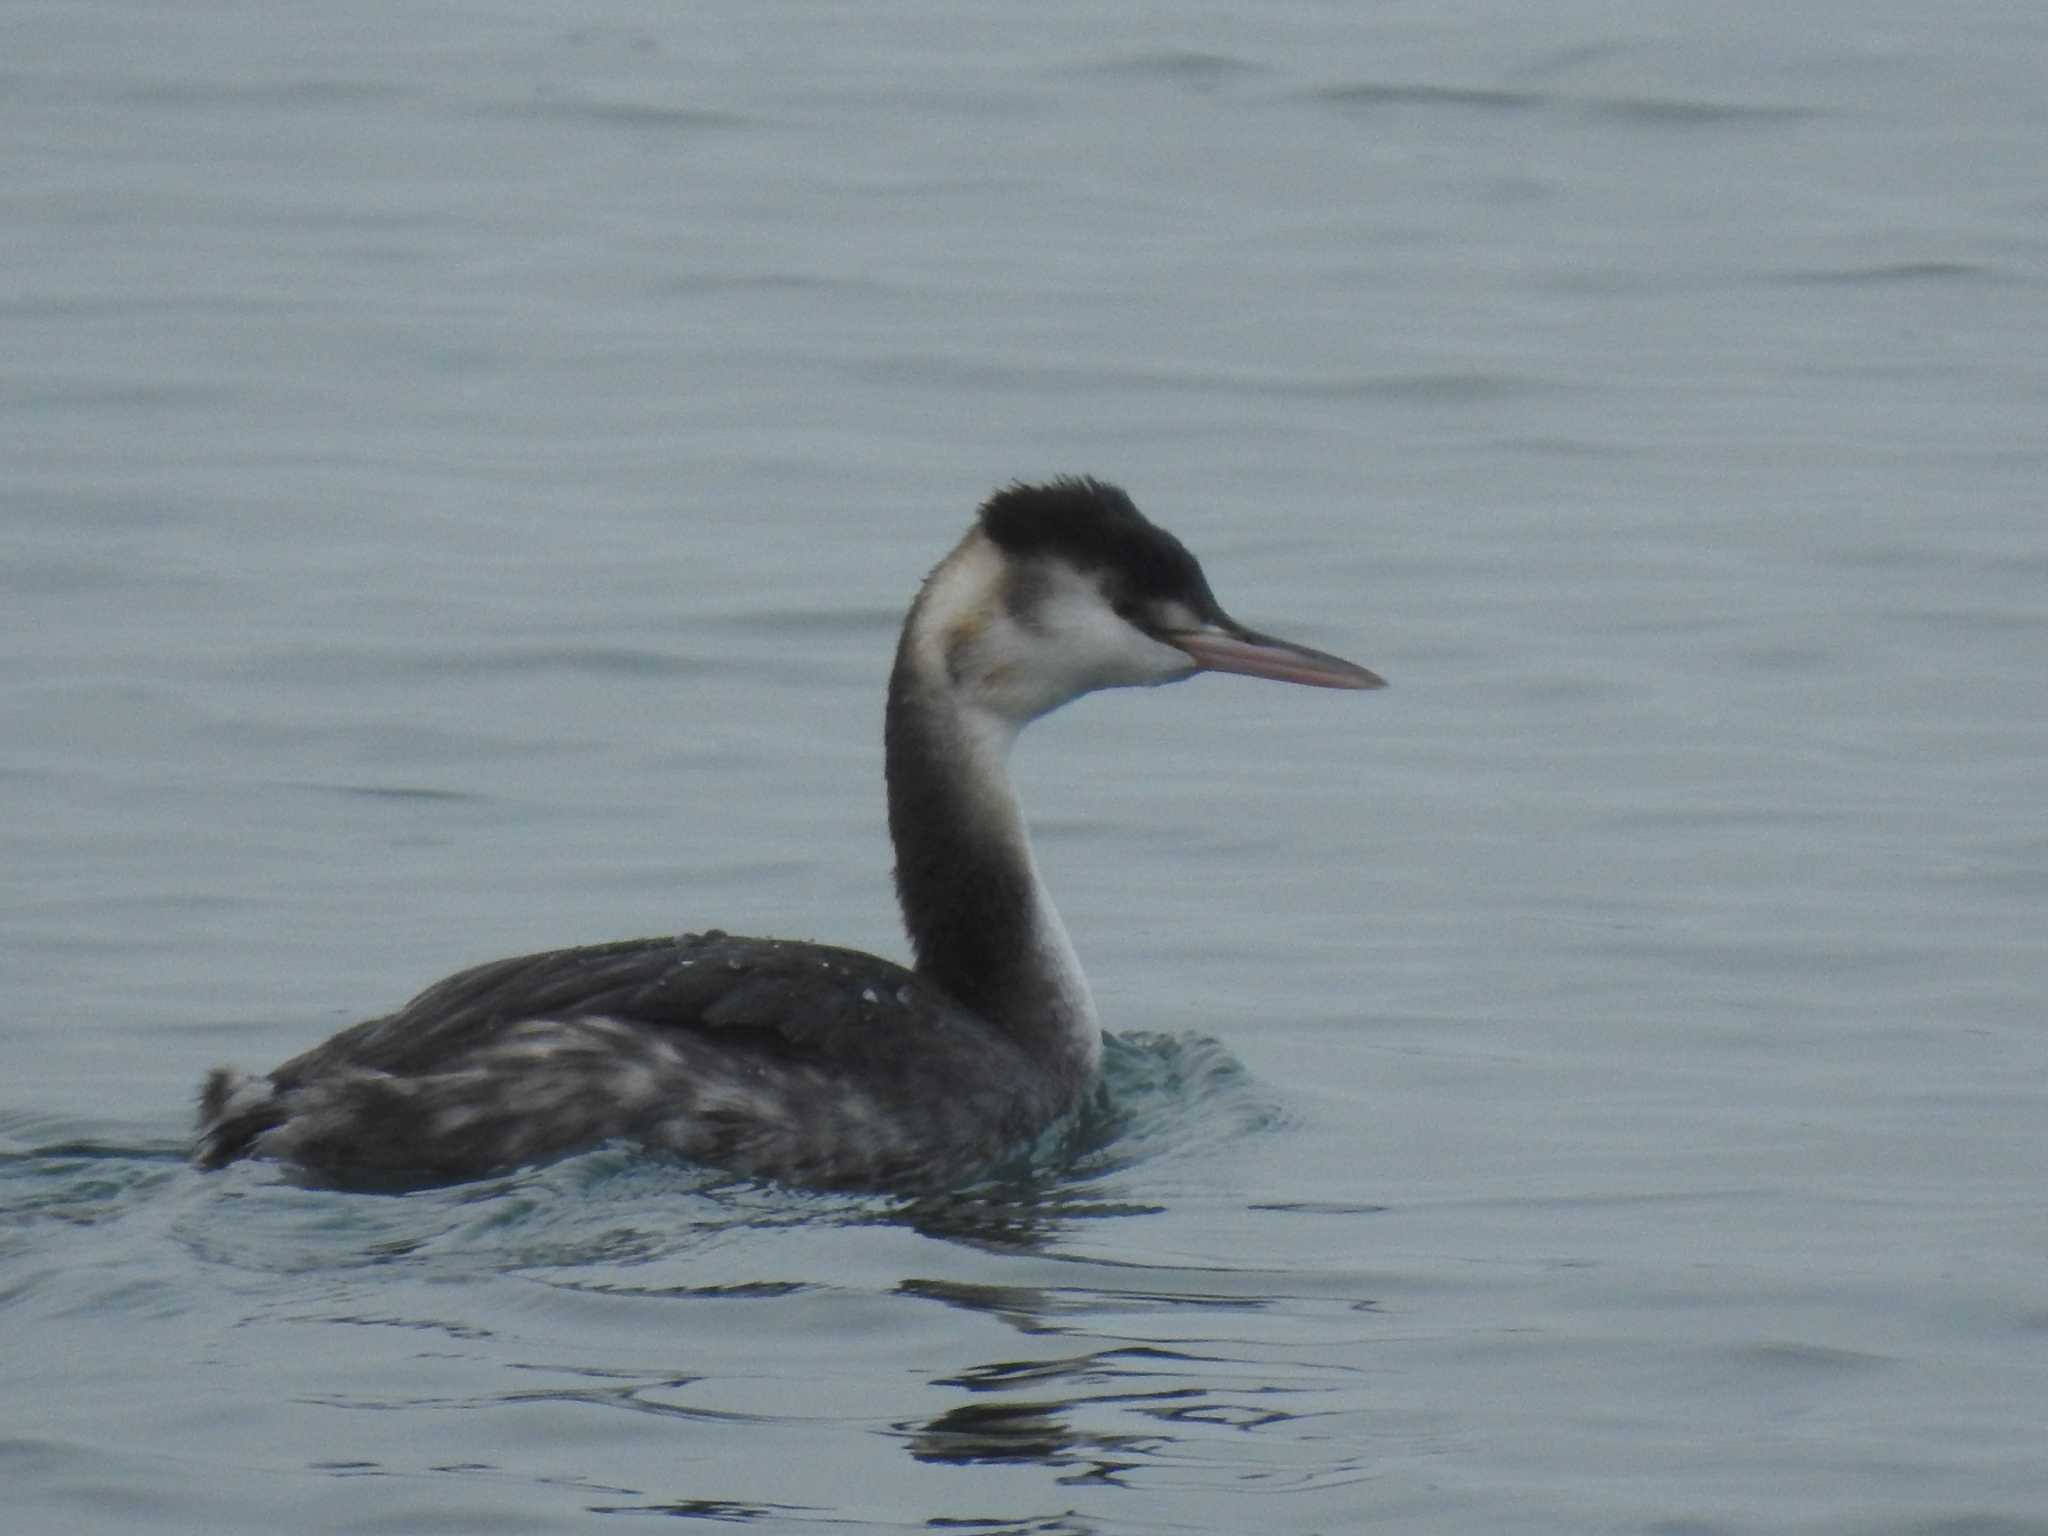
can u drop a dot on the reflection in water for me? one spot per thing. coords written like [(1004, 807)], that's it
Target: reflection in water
[(724, 1511), (1074, 1413), (1022, 1432), (1013, 1218)]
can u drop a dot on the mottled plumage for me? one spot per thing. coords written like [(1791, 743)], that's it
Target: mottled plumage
[(820, 1065)]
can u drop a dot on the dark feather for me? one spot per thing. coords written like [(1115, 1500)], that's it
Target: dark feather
[(1094, 526)]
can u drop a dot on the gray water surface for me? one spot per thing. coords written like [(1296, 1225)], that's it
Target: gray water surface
[(464, 466)]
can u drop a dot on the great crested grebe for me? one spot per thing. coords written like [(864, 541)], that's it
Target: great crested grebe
[(797, 1061)]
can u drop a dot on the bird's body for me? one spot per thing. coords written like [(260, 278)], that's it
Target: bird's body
[(821, 1066), (799, 1061)]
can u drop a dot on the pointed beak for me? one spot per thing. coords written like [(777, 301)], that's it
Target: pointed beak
[(1229, 648)]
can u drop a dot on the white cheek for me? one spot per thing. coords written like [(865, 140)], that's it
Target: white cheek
[(1142, 661), (1072, 644), (1090, 647)]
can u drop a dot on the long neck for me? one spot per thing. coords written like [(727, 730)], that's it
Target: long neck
[(978, 915)]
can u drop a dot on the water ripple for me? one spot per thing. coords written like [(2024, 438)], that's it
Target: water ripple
[(1886, 273), (1639, 111), (1180, 66)]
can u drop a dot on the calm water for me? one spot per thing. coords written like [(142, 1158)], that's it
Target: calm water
[(464, 464)]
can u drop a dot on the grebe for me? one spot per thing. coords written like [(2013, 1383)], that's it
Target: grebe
[(795, 1061)]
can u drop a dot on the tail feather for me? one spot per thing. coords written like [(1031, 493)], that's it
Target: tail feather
[(234, 1109)]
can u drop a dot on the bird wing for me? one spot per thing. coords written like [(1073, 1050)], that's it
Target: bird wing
[(775, 995)]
